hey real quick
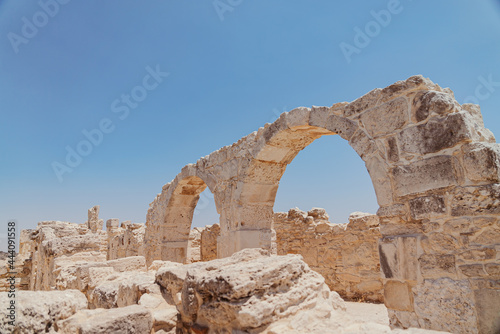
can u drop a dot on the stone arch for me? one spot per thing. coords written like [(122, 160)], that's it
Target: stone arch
[(433, 166), (171, 214), (435, 169)]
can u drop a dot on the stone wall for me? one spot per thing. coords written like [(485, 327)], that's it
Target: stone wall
[(345, 254), (208, 244), (125, 240)]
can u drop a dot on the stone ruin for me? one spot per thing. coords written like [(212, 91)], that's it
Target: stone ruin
[(431, 253)]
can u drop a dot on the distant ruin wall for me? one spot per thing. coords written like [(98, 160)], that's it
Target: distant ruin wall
[(345, 254)]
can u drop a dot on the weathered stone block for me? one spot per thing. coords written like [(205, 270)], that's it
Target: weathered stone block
[(398, 296), (359, 105), (298, 117), (398, 257), (421, 176), (473, 270), (482, 162), (342, 126), (477, 200), (112, 223), (426, 103), (392, 149), (435, 135), (492, 269), (130, 319), (362, 144), (487, 308), (318, 116), (386, 118), (437, 265), (378, 170), (427, 206), (438, 242), (447, 305)]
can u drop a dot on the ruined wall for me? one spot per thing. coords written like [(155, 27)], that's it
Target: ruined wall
[(208, 244), (345, 254), (125, 240)]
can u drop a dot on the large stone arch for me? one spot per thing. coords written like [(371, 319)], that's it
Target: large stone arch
[(435, 169)]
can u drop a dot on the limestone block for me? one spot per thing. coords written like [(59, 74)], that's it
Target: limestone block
[(473, 270), (362, 221), (477, 200), (112, 223), (318, 213), (424, 175), (38, 311), (428, 103), (362, 144), (488, 305), (415, 82), (398, 296), (437, 265), (392, 149), (433, 303), (385, 119), (482, 162), (133, 319), (363, 103), (342, 126), (298, 117), (121, 290), (319, 116), (379, 174), (427, 206), (438, 242), (399, 257), (481, 134), (98, 275), (437, 134)]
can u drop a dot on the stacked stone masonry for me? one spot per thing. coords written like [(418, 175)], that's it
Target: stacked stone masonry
[(346, 255), (435, 169)]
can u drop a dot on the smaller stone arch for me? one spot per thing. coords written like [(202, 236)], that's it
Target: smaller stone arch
[(171, 213)]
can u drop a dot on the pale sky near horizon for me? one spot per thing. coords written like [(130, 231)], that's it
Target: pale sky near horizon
[(70, 67)]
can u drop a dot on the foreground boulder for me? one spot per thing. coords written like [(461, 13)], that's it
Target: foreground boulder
[(39, 311)]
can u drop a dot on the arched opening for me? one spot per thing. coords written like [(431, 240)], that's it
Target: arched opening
[(202, 244), (327, 174), (168, 234), (317, 215)]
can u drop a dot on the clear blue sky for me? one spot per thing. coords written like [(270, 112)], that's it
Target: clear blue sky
[(231, 69)]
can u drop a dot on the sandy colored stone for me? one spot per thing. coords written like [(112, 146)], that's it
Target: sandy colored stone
[(133, 319), (38, 311)]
